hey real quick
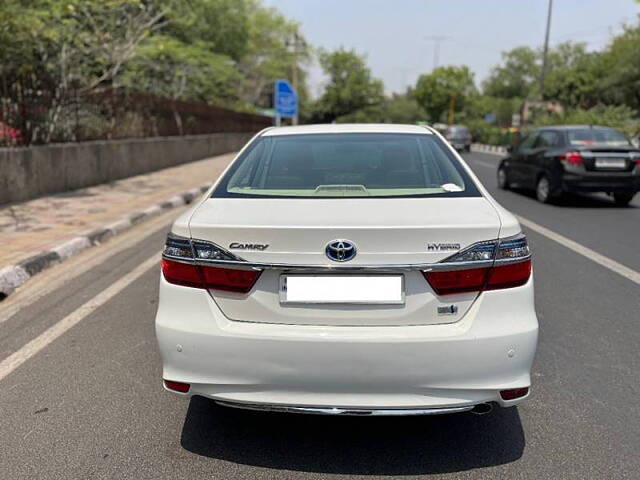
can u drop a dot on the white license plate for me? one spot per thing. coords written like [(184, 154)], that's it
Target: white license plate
[(611, 163), (342, 289)]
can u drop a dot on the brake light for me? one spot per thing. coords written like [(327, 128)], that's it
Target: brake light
[(572, 158), (179, 267), (457, 281), (501, 264), (509, 276)]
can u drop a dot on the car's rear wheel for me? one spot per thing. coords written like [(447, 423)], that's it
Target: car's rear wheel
[(503, 178), (544, 193), (622, 199)]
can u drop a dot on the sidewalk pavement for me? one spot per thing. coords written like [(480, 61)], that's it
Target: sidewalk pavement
[(47, 230)]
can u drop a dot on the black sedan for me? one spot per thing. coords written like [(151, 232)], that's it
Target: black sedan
[(573, 158)]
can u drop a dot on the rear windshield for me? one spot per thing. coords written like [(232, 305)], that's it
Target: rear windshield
[(459, 131), (346, 165), (599, 137)]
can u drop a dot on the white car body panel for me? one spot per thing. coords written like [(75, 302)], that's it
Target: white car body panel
[(250, 349)]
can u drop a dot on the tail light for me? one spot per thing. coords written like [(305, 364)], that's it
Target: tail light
[(177, 386), (504, 263), (572, 158), (184, 263), (513, 393)]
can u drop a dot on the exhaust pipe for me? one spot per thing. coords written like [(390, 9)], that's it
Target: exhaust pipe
[(482, 409)]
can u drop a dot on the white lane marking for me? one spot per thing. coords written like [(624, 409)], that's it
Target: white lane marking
[(20, 356), (606, 262)]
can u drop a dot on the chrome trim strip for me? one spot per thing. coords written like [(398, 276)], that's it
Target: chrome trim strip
[(344, 411), (427, 267)]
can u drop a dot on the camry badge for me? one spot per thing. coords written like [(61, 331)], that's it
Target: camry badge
[(340, 250), (248, 246)]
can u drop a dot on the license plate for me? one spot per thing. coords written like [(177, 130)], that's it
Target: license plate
[(611, 163), (342, 289)]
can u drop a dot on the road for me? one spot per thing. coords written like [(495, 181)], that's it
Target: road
[(87, 402)]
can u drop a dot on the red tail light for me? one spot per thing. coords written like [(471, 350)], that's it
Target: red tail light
[(514, 393), (572, 158), (177, 386), (509, 276), (478, 279), (217, 278), (457, 281)]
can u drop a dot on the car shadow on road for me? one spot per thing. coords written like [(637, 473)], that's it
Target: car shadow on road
[(353, 445)]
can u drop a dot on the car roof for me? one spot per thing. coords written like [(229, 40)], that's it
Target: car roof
[(347, 128), (572, 127)]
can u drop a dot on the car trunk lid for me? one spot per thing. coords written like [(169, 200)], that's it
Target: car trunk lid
[(295, 232)]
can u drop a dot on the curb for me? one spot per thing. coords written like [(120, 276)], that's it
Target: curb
[(490, 149), (13, 276)]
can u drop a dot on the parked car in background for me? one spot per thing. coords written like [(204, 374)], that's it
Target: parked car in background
[(573, 158), (348, 270), (459, 137)]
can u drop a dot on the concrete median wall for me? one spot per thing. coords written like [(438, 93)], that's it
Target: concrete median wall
[(27, 173)]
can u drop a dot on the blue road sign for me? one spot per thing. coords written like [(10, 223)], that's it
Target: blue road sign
[(285, 99)]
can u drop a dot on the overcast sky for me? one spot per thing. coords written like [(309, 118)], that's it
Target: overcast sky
[(396, 35)]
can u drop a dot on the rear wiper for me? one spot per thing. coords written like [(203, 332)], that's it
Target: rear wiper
[(341, 190)]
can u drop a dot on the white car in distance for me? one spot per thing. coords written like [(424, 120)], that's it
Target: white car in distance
[(348, 269)]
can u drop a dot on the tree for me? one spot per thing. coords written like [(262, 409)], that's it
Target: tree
[(269, 56), (56, 52), (621, 83), (217, 26), (436, 90), (350, 88), (167, 67), (516, 76)]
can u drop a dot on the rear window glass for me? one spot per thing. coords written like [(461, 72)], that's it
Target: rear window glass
[(605, 137), (346, 165), (459, 131)]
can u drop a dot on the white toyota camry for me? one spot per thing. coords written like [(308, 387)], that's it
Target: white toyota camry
[(348, 269)]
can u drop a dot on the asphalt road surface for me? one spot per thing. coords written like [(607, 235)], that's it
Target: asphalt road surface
[(86, 401)]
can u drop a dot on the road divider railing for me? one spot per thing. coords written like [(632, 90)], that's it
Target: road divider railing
[(490, 149)]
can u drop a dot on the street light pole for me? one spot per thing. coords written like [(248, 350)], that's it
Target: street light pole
[(297, 44), (545, 50), (437, 40)]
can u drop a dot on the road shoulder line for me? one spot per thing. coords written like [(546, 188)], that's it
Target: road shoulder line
[(26, 352), (592, 255)]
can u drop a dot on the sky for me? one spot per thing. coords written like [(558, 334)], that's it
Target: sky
[(397, 35)]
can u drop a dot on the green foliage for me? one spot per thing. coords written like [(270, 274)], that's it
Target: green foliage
[(621, 84), (516, 76), (398, 109), (269, 55), (166, 67), (57, 54), (434, 91), (350, 88), (216, 26), (617, 116)]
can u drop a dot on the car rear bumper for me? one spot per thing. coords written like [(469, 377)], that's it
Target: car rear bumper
[(450, 367), (601, 183)]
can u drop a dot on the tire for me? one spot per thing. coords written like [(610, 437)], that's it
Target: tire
[(503, 179), (543, 190), (622, 199)]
